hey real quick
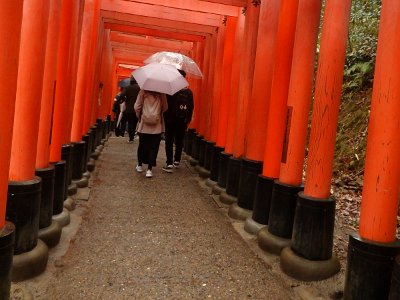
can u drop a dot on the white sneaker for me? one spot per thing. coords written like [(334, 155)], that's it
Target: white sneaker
[(139, 169), (176, 164), (149, 174)]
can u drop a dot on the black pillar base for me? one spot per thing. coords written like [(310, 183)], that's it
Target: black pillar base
[(310, 256), (281, 217), (23, 209), (369, 268), (223, 169), (196, 146), (262, 199), (249, 171), (395, 286), (233, 176), (47, 195), (78, 160), (7, 235), (189, 141), (215, 157), (208, 155), (66, 155), (91, 165), (202, 152), (59, 186)]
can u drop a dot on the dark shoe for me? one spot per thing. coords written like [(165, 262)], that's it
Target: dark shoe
[(176, 164), (168, 168)]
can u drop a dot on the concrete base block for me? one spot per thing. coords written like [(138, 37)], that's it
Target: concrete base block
[(204, 173), (225, 198), (86, 174), (91, 165), (81, 183), (217, 190), (30, 264), (307, 270), (272, 243), (63, 219), (51, 235), (95, 155), (252, 226), (238, 213), (72, 189), (69, 204), (193, 162), (210, 183)]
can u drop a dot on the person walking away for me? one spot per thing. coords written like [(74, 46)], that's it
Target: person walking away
[(119, 128), (130, 94), (177, 119), (149, 108)]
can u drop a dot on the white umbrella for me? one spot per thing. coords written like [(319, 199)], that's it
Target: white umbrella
[(177, 60), (160, 78)]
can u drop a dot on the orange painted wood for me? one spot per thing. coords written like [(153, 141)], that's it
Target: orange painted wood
[(216, 96), (83, 71), (72, 69), (156, 23), (279, 89), (379, 204), (261, 91), (227, 61), (240, 3), (148, 41), (155, 32), (29, 89), (203, 112), (300, 91), (10, 33), (246, 77), (49, 86), (193, 5), (327, 98), (235, 81), (161, 12), (198, 55), (61, 100)]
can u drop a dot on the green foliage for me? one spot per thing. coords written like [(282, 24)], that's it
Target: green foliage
[(361, 52)]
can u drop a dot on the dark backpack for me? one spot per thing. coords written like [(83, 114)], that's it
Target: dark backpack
[(183, 105)]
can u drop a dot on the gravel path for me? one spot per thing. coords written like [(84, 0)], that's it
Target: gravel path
[(158, 238)]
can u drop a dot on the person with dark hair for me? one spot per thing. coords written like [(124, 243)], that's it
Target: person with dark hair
[(129, 94), (119, 129), (177, 118)]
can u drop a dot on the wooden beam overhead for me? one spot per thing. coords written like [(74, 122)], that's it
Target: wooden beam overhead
[(141, 21), (150, 41), (161, 12), (238, 3), (200, 6), (154, 32)]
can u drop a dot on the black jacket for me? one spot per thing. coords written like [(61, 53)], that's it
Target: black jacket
[(130, 93)]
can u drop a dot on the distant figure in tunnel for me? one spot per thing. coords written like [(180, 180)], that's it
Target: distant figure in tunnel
[(149, 108), (129, 95), (120, 128), (177, 118)]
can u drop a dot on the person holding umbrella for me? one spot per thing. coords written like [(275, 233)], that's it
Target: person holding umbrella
[(129, 95), (155, 80)]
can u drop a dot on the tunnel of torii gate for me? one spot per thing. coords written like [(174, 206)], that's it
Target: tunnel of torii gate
[(60, 65)]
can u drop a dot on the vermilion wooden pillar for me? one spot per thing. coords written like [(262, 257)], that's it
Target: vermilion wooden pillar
[(233, 87), (284, 192), (10, 25), (61, 101), (24, 189), (243, 98), (371, 253), (49, 230), (259, 106), (310, 256), (214, 102)]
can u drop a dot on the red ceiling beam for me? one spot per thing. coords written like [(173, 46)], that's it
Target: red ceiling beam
[(161, 12), (239, 3), (154, 32), (197, 5)]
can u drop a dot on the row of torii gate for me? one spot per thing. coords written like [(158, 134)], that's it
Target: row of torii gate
[(59, 67)]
